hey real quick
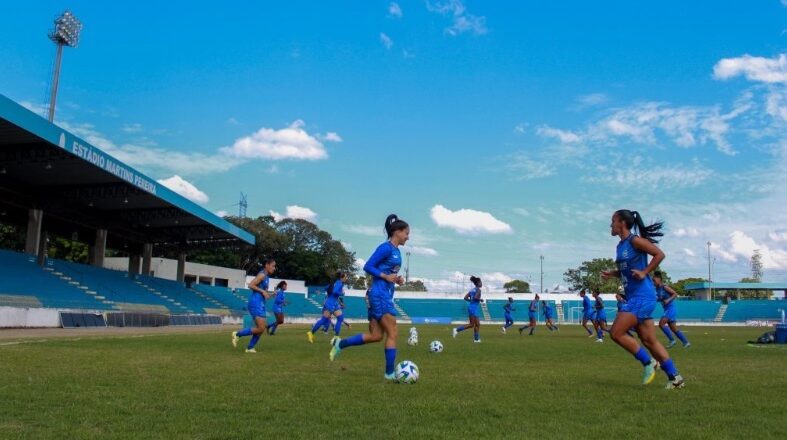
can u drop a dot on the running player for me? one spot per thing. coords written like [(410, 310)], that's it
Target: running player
[(666, 296), (532, 316), (549, 316), (473, 297), (278, 307), (508, 308), (587, 312), (256, 306)]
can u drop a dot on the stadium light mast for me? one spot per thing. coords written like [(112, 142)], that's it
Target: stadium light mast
[(710, 283), (407, 269), (65, 33), (541, 287)]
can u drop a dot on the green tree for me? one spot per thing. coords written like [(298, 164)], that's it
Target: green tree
[(517, 286), (680, 285), (413, 286), (588, 276), (751, 294), (12, 237)]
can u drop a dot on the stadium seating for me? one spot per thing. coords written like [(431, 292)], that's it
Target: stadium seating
[(738, 311)]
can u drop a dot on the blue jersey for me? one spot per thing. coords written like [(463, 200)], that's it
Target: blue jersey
[(279, 301), (508, 308), (533, 306), (337, 290), (475, 295), (621, 303), (662, 295), (628, 258), (547, 311), (256, 302), (599, 304), (385, 260), (585, 305)]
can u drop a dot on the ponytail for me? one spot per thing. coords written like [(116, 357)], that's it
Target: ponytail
[(281, 285), (475, 280), (634, 221), (393, 224)]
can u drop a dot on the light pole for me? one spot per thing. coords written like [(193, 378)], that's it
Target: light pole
[(407, 269), (710, 282), (541, 288), (65, 33)]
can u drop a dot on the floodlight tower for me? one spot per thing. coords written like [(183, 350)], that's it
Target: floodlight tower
[(65, 33)]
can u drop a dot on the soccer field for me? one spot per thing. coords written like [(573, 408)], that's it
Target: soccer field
[(551, 385)]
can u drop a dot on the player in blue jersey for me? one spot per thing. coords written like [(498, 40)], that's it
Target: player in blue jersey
[(256, 306), (383, 266), (549, 315), (666, 296), (621, 301), (278, 307), (332, 307), (633, 270), (532, 316), (473, 298), (507, 309), (600, 317), (587, 312)]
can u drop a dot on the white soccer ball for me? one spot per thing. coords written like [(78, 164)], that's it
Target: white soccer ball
[(436, 347), (413, 331), (406, 372), (412, 341)]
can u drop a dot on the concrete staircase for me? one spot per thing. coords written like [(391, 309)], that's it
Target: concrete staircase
[(485, 311), (400, 311), (173, 303), (91, 293), (559, 311), (720, 314), (314, 303)]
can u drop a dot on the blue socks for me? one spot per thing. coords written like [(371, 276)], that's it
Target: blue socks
[(670, 369), (667, 333), (338, 326), (244, 332), (320, 323), (682, 338), (643, 356), (600, 333), (509, 324), (532, 329), (272, 328), (390, 360), (589, 332), (351, 341), (461, 328), (476, 336), (253, 341)]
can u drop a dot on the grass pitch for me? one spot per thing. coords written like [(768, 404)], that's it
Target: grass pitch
[(551, 385)]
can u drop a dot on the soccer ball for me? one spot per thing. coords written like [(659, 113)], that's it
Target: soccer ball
[(406, 372), (412, 340), (436, 347)]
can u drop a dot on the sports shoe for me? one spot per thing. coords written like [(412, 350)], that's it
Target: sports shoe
[(649, 373), (687, 345), (676, 383), (454, 333), (333, 339), (235, 339), (251, 350), (391, 377), (591, 335), (520, 331), (310, 335), (599, 340), (335, 349), (671, 343), (503, 330), (476, 341)]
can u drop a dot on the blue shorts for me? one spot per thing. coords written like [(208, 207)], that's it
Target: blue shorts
[(640, 307), (473, 311), (369, 316), (671, 315), (257, 312), (509, 317), (548, 317), (589, 316), (331, 305), (532, 316), (601, 315), (278, 309), (381, 305)]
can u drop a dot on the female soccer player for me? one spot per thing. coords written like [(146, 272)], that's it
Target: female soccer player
[(278, 307), (508, 308), (666, 296), (331, 307), (383, 266), (600, 321), (532, 316), (473, 310), (256, 306), (633, 269), (587, 312), (549, 316)]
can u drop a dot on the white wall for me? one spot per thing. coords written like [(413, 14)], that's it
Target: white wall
[(168, 269), (16, 317), (294, 286)]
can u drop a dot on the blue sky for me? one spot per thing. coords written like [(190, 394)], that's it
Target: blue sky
[(500, 130)]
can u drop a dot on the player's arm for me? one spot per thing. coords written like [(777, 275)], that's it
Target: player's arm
[(672, 294), (651, 249), (467, 296), (255, 285)]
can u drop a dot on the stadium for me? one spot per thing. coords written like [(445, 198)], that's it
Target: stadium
[(124, 302)]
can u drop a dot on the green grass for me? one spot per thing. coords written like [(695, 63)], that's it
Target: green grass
[(558, 385)]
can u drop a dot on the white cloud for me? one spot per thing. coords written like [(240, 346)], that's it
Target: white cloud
[(386, 40), (744, 246), (39, 109), (689, 252), (370, 231), (676, 176), (520, 128), (778, 235), (686, 232), (563, 136), (394, 10), (407, 54), (273, 169), (420, 250), (460, 282), (292, 142), (522, 211), (222, 213), (462, 21), (760, 69), (296, 212), (590, 100), (232, 121), (468, 221), (132, 128), (332, 137), (523, 167), (184, 188)]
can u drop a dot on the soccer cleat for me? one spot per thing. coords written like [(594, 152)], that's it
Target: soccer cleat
[(591, 335), (454, 333), (251, 350), (649, 373), (391, 377), (235, 339), (599, 340), (687, 345), (310, 335), (476, 341), (333, 339), (671, 343), (520, 331), (335, 349), (503, 330), (676, 383)]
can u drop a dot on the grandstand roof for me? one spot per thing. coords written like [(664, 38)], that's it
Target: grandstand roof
[(735, 286), (82, 188)]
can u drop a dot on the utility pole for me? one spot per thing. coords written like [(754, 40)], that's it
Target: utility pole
[(65, 33), (710, 281), (541, 288), (407, 269)]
